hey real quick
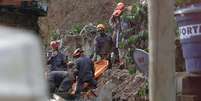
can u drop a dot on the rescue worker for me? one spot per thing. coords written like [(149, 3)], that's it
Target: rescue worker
[(103, 44), (55, 78), (61, 81), (85, 72), (57, 60), (116, 24)]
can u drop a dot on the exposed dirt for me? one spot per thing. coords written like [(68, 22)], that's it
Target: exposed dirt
[(125, 85), (64, 14)]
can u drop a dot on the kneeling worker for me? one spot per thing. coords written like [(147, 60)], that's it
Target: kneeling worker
[(85, 71)]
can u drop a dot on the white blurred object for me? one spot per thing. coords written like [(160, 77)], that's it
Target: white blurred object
[(143, 2), (21, 67), (112, 57)]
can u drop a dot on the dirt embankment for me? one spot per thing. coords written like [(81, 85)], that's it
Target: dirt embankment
[(64, 14)]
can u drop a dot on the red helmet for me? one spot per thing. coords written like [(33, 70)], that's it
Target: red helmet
[(54, 44), (77, 52), (120, 6)]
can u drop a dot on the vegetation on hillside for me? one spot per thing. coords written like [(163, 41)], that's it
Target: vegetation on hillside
[(136, 36), (182, 3)]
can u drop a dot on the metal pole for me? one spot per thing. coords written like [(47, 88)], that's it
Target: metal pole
[(162, 52)]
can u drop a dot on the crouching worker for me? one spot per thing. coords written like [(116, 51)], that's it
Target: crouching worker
[(85, 72), (60, 81), (55, 80)]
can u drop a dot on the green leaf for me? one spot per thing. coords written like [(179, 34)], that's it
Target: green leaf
[(54, 35), (132, 70), (117, 1), (183, 2), (133, 39), (122, 44), (76, 29), (143, 35)]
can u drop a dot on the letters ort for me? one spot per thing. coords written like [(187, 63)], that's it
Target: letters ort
[(189, 31)]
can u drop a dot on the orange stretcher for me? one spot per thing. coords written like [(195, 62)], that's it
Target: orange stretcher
[(100, 67)]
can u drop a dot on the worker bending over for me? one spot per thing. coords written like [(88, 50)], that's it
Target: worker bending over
[(85, 72)]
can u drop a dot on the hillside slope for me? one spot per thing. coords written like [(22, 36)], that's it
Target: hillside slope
[(64, 14)]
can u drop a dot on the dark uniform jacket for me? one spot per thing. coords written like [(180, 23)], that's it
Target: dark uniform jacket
[(58, 62), (103, 44), (85, 73), (85, 69)]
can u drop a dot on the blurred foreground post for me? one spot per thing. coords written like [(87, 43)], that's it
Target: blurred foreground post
[(21, 67), (162, 52)]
